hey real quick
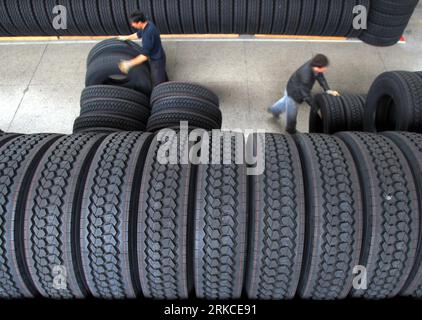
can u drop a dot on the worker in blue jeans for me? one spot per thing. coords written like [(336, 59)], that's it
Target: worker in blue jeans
[(152, 50), (299, 90)]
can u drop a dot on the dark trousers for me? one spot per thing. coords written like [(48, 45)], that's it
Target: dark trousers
[(158, 71)]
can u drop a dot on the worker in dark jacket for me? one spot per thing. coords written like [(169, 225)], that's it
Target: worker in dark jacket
[(152, 49), (299, 90)]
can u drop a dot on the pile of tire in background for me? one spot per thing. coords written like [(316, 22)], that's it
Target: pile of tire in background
[(387, 18), (394, 102), (113, 101), (91, 214)]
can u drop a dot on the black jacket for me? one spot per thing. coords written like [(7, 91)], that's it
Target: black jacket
[(302, 81)]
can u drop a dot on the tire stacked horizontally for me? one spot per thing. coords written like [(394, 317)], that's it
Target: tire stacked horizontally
[(395, 102), (110, 108), (176, 102), (102, 215), (387, 21), (335, 114), (387, 18), (103, 66)]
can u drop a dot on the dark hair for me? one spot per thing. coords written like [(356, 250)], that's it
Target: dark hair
[(320, 61), (137, 16)]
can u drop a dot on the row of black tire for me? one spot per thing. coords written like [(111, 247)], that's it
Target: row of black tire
[(99, 215), (393, 103), (387, 18), (107, 108)]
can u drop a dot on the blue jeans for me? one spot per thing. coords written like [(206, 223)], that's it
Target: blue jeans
[(291, 107)]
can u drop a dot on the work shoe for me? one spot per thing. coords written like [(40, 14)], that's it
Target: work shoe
[(292, 131), (275, 115)]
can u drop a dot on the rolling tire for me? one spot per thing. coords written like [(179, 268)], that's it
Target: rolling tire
[(162, 233), (354, 106), (104, 70), (18, 159), (109, 214), (334, 217), (113, 45), (391, 214), (52, 217), (220, 220), (332, 113), (277, 217)]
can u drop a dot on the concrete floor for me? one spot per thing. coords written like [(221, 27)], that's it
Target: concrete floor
[(40, 84)]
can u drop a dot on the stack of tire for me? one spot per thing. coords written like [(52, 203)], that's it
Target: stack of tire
[(387, 18), (175, 102), (106, 108), (113, 101), (395, 102), (336, 114), (387, 21), (101, 215)]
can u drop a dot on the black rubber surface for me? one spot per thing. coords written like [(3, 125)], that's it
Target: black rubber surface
[(108, 213), (221, 220), (179, 104), (162, 234), (116, 107), (336, 114), (169, 119), (52, 214), (18, 159), (334, 217), (277, 219), (387, 18), (113, 46), (85, 122), (113, 92), (411, 145), (104, 70), (394, 102), (174, 88), (391, 214)]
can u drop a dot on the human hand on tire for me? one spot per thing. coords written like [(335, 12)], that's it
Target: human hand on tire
[(333, 93), (122, 38), (125, 66)]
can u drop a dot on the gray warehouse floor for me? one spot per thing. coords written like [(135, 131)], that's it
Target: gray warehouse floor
[(40, 84)]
